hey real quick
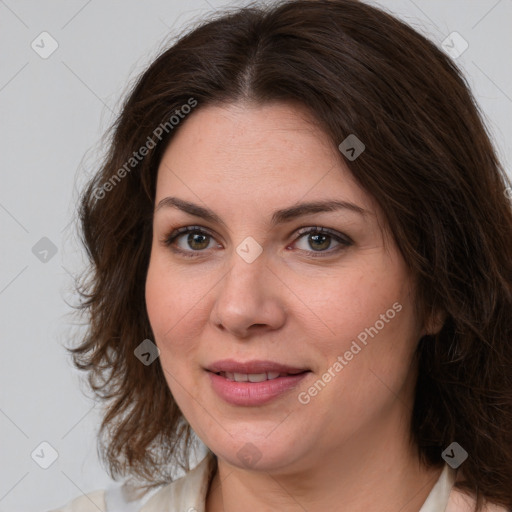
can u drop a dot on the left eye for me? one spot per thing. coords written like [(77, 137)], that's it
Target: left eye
[(198, 240), (321, 239)]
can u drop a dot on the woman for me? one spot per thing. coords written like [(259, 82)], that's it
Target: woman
[(300, 246)]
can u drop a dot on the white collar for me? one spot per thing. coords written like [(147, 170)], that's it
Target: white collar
[(440, 494)]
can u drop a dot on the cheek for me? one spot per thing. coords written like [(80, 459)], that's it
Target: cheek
[(376, 334), (163, 309), (375, 352), (353, 303), (167, 298), (163, 304), (379, 334), (157, 300), (174, 309)]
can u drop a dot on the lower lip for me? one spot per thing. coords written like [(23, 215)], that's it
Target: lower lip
[(253, 393)]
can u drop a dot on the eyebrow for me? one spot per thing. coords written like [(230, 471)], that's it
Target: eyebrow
[(278, 217)]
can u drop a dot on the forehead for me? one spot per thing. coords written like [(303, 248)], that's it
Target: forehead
[(272, 153)]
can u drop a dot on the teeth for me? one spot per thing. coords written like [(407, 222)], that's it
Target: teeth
[(252, 377), (257, 377)]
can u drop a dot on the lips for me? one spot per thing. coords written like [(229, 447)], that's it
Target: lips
[(253, 383)]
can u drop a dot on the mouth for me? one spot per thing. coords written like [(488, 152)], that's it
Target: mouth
[(254, 382)]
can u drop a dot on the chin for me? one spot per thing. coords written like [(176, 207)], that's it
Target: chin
[(258, 453)]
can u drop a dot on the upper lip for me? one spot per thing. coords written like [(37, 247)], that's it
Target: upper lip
[(251, 367)]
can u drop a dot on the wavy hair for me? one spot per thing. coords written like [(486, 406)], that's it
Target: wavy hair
[(429, 163)]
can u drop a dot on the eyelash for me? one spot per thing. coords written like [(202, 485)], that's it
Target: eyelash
[(344, 240)]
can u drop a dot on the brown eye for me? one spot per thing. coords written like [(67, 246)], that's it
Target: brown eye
[(319, 240), (197, 240)]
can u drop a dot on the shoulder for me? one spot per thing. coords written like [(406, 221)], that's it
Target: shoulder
[(186, 493), (91, 502), (461, 502)]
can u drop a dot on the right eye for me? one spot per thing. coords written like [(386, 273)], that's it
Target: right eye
[(197, 240)]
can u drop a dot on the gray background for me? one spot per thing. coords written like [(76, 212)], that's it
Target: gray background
[(53, 114)]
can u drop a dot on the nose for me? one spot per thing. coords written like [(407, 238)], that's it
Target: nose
[(249, 299)]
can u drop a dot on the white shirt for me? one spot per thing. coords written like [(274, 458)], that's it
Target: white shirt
[(188, 494)]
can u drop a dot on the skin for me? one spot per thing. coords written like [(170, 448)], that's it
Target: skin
[(350, 443)]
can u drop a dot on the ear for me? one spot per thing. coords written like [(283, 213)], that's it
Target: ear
[(435, 323)]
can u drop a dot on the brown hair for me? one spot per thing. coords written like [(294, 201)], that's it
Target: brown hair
[(429, 164)]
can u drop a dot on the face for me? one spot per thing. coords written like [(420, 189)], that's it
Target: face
[(312, 308)]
